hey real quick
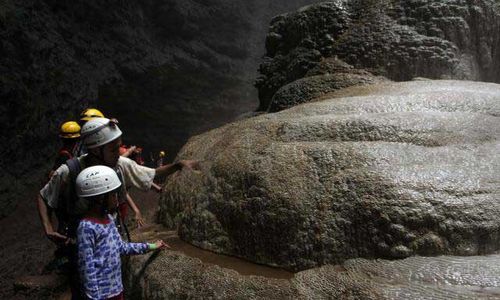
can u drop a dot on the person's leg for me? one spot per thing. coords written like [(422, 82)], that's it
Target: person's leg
[(74, 278)]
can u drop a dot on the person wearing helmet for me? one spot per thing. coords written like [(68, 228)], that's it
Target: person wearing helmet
[(88, 114), (102, 137), (161, 158), (91, 113), (97, 133), (85, 116), (99, 243), (69, 133)]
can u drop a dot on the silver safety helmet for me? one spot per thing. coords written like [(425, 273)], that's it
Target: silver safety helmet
[(96, 180), (100, 131)]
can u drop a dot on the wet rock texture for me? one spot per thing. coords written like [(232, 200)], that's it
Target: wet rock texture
[(400, 40), (330, 75), (171, 275), (385, 170)]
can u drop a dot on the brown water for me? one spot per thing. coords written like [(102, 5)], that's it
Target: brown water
[(243, 267), (148, 202)]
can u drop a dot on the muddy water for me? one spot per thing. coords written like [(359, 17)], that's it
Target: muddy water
[(148, 203), (154, 232)]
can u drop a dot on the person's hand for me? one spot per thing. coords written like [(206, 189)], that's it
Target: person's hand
[(57, 238), (190, 164), (139, 219), (160, 244), (156, 187), (132, 148)]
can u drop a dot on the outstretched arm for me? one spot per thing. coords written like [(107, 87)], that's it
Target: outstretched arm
[(156, 187), (167, 169), (172, 168), (135, 248)]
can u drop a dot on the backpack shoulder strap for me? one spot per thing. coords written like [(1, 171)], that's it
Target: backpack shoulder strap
[(70, 198), (74, 168)]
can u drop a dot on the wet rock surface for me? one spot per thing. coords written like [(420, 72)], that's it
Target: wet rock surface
[(386, 170), (444, 277), (397, 39), (172, 274)]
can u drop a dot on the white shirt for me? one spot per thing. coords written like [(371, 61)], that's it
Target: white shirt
[(133, 175)]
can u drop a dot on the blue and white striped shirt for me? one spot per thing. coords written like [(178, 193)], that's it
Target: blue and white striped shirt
[(99, 249)]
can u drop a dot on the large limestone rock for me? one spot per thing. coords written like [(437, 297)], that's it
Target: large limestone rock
[(400, 40), (387, 170)]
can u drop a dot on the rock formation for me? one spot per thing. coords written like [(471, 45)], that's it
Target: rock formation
[(331, 74), (369, 169), (384, 170), (375, 170), (397, 39)]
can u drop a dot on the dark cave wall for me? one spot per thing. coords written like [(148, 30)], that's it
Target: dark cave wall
[(167, 69), (215, 48)]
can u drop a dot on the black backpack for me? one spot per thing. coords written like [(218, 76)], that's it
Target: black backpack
[(68, 220)]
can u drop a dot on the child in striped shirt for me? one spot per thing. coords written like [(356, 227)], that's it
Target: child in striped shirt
[(99, 243)]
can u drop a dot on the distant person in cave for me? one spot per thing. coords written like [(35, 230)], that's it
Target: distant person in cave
[(99, 243), (70, 137), (102, 137), (161, 158), (87, 115), (132, 152)]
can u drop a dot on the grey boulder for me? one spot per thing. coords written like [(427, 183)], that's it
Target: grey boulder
[(381, 171)]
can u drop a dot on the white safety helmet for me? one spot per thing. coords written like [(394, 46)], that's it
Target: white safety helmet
[(96, 180), (100, 131)]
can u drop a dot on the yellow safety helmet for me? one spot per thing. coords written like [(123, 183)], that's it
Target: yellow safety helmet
[(90, 113), (69, 130), (162, 153)]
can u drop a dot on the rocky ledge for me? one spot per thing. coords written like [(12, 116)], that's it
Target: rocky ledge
[(173, 275)]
